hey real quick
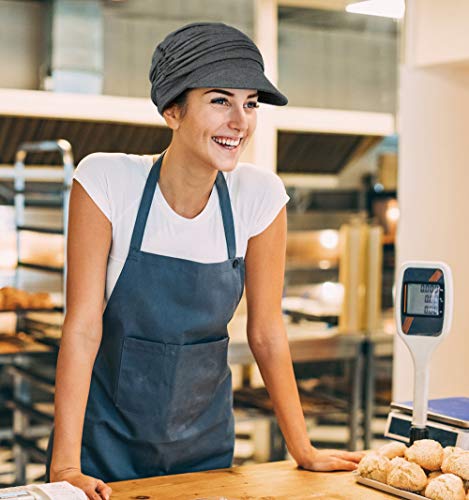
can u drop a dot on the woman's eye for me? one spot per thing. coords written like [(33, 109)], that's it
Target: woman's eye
[(224, 102), (219, 100), (252, 105)]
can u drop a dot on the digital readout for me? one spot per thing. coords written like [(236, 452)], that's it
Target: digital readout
[(423, 299)]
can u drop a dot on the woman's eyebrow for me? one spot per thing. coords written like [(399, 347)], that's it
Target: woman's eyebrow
[(225, 92)]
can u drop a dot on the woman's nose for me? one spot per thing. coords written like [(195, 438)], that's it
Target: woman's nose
[(238, 118)]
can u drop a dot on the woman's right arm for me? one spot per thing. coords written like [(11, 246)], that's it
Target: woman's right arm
[(88, 245)]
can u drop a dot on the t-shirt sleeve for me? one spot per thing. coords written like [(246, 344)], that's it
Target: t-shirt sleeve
[(92, 174), (272, 197)]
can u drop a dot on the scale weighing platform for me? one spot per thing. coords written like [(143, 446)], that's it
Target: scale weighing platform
[(447, 421), (423, 311)]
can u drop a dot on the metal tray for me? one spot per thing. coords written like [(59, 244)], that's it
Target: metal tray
[(389, 489)]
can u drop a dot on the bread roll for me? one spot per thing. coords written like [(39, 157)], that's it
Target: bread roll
[(434, 475), (374, 466), (9, 297), (12, 298), (406, 475), (445, 487), (8, 347), (40, 300), (456, 461), (450, 449), (427, 453), (392, 450)]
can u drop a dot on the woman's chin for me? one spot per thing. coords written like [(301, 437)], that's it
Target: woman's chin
[(226, 160)]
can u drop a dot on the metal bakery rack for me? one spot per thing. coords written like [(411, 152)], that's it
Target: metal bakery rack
[(30, 356)]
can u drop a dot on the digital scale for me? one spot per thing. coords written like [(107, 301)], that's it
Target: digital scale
[(423, 312)]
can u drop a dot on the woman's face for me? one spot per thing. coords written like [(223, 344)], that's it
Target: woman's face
[(216, 126)]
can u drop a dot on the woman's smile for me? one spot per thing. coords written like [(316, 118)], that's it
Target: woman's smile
[(229, 144)]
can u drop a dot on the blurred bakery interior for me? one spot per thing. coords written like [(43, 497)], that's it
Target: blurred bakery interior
[(372, 152)]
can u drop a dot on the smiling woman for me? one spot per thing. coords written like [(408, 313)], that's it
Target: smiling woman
[(167, 242), (213, 125)]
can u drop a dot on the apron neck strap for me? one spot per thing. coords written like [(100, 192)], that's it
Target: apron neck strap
[(227, 214), (147, 198)]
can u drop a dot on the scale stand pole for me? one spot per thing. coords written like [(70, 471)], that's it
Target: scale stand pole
[(419, 428)]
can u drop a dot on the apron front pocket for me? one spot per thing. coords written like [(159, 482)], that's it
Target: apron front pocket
[(201, 393), (142, 384)]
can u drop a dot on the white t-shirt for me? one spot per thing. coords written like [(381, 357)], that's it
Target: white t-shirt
[(115, 182)]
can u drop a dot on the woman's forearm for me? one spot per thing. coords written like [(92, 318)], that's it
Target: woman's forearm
[(74, 366), (274, 360)]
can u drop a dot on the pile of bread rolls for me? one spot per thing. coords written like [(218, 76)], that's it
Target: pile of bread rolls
[(13, 298), (425, 468)]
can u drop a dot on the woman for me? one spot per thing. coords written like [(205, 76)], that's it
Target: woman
[(144, 388)]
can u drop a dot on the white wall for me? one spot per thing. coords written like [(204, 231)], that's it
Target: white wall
[(133, 29), (326, 61), (22, 43), (434, 199), (440, 33)]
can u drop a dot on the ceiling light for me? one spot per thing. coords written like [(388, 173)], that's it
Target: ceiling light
[(382, 8)]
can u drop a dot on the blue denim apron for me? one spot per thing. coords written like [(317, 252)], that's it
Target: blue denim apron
[(160, 399)]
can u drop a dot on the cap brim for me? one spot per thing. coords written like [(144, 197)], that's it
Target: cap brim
[(238, 74)]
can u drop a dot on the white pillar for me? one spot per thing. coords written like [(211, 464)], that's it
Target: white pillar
[(263, 148), (434, 179), (77, 46)]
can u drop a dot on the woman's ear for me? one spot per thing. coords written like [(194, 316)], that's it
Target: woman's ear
[(173, 116)]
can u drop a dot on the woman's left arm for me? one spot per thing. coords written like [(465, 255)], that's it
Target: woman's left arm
[(265, 267)]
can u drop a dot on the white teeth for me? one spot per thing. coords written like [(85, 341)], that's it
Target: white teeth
[(227, 142)]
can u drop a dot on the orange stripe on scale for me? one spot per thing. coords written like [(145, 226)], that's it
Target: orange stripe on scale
[(407, 324), (436, 276)]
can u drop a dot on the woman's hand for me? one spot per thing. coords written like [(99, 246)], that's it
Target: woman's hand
[(331, 460), (95, 489)]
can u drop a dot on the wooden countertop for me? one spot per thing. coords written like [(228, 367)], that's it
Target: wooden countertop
[(274, 480)]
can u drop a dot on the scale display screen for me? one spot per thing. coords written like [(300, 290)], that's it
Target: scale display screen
[(423, 299)]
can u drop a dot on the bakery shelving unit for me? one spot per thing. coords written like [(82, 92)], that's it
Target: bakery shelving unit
[(64, 148), (19, 351), (32, 372)]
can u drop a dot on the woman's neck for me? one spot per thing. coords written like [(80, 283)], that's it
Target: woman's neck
[(185, 186)]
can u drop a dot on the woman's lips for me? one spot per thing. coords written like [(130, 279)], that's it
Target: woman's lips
[(227, 144)]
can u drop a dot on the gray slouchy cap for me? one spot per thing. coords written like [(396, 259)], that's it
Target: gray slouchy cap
[(215, 55)]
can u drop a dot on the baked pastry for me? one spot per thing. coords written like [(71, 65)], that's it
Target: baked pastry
[(448, 450), (374, 466), (8, 347), (406, 475), (445, 487), (434, 475), (40, 300), (427, 453), (456, 461), (392, 449), (12, 298)]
